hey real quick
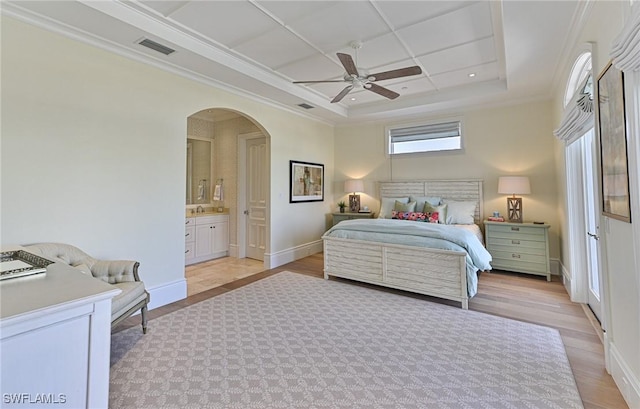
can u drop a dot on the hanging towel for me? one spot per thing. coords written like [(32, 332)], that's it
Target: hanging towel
[(201, 191), (217, 193)]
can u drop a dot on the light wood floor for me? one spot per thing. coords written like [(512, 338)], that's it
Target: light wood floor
[(522, 297), (214, 273)]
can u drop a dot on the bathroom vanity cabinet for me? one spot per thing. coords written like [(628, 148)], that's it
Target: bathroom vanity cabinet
[(206, 237)]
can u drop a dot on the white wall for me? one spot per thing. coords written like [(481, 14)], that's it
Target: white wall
[(497, 141), (93, 154), (622, 274)]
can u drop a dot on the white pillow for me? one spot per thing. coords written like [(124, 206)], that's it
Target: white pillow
[(461, 212), (421, 200), (387, 204)]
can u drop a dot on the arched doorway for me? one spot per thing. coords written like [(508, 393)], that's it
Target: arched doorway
[(226, 192)]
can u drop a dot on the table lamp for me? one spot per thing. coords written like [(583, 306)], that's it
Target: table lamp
[(354, 185), (514, 185)]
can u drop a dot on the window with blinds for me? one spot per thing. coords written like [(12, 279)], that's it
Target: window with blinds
[(431, 137)]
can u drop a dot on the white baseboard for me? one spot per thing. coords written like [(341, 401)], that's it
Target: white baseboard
[(624, 378), (273, 260), (167, 293), (555, 266), (566, 279)]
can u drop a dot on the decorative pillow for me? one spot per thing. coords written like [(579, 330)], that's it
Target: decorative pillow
[(387, 204), (404, 207), (460, 212), (440, 210), (415, 216), (421, 200)]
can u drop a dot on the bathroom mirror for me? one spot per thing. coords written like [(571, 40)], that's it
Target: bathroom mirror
[(199, 170)]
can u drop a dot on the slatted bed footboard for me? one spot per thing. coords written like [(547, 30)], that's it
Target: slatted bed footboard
[(433, 272)]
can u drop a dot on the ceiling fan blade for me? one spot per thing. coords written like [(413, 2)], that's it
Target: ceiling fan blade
[(348, 64), (385, 92), (402, 72), (315, 82), (342, 94)]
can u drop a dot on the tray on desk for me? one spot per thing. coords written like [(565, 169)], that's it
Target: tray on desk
[(20, 263)]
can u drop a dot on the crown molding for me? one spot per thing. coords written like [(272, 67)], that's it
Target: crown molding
[(578, 22)]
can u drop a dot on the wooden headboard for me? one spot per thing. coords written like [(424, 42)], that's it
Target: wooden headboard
[(453, 190)]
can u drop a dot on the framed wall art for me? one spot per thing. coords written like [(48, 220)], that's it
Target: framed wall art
[(306, 182), (613, 145)]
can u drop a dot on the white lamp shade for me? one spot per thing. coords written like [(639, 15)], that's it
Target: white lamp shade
[(353, 185), (514, 185)]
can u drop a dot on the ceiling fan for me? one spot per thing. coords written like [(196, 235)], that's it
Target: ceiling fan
[(362, 79)]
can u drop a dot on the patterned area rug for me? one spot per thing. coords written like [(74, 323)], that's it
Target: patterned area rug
[(292, 341)]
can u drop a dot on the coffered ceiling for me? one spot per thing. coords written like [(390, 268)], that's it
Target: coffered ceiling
[(470, 52)]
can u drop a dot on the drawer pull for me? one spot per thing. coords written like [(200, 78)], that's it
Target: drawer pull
[(515, 255), (515, 241), (515, 229), (186, 251), (187, 222), (186, 235)]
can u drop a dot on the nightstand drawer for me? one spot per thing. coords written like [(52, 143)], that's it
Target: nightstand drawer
[(519, 256), (338, 217), (526, 263), (522, 234), (512, 230), (515, 244)]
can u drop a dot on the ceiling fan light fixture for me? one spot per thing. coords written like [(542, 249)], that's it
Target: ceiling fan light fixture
[(358, 78)]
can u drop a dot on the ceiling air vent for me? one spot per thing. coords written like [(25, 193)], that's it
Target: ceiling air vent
[(156, 46), (305, 106)]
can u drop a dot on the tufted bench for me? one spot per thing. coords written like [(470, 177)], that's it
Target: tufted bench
[(122, 274)]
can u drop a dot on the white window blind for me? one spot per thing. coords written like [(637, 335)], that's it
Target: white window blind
[(625, 50), (431, 137), (578, 116)]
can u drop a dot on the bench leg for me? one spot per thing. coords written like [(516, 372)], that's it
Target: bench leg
[(143, 312)]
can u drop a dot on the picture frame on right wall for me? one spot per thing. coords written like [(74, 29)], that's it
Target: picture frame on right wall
[(613, 145)]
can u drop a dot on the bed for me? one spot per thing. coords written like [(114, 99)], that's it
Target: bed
[(432, 259)]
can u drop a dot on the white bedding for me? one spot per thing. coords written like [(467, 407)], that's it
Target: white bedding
[(473, 228)]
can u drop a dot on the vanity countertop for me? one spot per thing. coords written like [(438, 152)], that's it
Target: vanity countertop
[(208, 212)]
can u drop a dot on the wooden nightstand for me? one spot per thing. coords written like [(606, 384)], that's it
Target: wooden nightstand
[(520, 247), (338, 217)]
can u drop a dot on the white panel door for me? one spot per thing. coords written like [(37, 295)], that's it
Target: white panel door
[(256, 198), (592, 212)]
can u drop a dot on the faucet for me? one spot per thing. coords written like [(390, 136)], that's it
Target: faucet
[(199, 209)]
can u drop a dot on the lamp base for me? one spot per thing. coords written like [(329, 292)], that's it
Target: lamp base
[(354, 203), (514, 209)]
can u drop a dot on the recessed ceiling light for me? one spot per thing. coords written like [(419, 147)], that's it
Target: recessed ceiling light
[(473, 74), (353, 98)]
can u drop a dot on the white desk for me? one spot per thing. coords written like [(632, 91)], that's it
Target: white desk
[(55, 340)]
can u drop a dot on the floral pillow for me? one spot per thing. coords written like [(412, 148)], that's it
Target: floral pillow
[(415, 216)]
